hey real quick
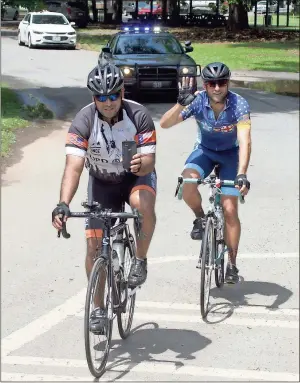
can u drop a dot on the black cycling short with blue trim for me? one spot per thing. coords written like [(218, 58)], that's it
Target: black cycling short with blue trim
[(203, 161)]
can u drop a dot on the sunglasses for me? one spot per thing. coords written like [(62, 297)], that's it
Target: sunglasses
[(105, 97), (212, 84)]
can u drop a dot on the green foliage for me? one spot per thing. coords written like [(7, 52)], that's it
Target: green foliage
[(39, 110), (15, 116), (31, 5)]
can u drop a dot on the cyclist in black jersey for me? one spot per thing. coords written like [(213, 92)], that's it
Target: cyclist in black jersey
[(95, 140)]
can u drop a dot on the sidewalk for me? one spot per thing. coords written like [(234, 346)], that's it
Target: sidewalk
[(260, 75)]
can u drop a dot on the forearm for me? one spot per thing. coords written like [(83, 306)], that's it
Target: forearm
[(69, 184), (172, 117), (244, 157)]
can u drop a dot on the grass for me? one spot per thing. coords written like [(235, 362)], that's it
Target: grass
[(15, 115), (294, 21), (11, 111), (92, 42), (268, 56)]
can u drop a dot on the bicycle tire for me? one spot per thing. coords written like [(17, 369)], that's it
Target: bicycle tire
[(206, 269), (219, 271), (125, 331), (100, 263)]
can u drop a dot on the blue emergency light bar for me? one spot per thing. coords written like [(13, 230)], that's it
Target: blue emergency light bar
[(139, 29)]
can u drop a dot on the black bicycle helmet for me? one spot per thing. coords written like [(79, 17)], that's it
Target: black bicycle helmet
[(216, 71), (105, 78)]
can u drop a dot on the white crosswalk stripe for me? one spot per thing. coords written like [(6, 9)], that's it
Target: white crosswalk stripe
[(165, 313)]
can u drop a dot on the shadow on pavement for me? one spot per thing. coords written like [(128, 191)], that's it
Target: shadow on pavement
[(143, 343), (237, 294), (66, 102)]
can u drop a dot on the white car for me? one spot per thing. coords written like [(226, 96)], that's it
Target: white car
[(262, 7), (46, 28)]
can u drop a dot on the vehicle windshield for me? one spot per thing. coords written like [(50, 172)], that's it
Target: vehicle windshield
[(49, 19), (147, 44)]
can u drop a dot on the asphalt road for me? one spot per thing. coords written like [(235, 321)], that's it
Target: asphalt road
[(253, 329)]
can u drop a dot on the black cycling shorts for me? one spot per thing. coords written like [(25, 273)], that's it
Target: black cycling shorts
[(111, 196)]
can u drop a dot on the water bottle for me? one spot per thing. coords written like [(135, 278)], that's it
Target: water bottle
[(115, 261), (118, 252)]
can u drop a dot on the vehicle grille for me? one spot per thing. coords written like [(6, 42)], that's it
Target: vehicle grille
[(63, 38), (159, 73), (56, 33)]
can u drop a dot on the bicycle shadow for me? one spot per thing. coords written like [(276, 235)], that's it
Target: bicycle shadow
[(237, 295), (143, 343)]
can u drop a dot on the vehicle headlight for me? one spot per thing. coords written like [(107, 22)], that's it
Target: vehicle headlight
[(128, 71), (71, 33), (185, 70), (37, 32)]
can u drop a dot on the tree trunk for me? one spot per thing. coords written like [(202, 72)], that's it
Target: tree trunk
[(94, 10), (118, 10), (238, 17), (174, 13)]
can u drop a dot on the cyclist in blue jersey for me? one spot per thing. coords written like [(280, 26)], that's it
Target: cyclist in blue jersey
[(224, 138)]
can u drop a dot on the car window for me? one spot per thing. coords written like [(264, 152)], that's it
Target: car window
[(76, 4), (49, 19), (112, 43), (147, 44)]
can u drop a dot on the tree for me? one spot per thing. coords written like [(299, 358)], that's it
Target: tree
[(31, 5), (238, 15)]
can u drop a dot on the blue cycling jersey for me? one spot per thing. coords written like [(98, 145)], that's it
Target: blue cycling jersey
[(221, 133)]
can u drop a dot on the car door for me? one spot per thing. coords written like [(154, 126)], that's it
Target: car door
[(26, 29), (23, 26)]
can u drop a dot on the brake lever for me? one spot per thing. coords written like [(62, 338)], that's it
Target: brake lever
[(63, 231), (180, 180)]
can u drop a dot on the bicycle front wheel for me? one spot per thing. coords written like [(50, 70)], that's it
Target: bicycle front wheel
[(126, 310), (97, 345), (219, 270), (207, 265)]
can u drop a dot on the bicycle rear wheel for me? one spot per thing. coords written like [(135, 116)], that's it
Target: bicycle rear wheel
[(126, 311), (207, 265), (219, 270), (97, 350)]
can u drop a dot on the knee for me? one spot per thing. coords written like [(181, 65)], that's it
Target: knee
[(145, 203), (189, 190), (230, 212)]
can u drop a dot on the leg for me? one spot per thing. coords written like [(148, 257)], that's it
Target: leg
[(232, 226), (142, 197), (191, 194), (229, 201), (93, 246), (144, 201), (198, 165)]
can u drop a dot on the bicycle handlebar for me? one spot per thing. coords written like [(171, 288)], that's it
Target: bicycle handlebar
[(104, 215), (204, 181)]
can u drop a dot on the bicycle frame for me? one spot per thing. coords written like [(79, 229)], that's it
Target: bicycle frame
[(214, 201), (106, 253), (107, 216)]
